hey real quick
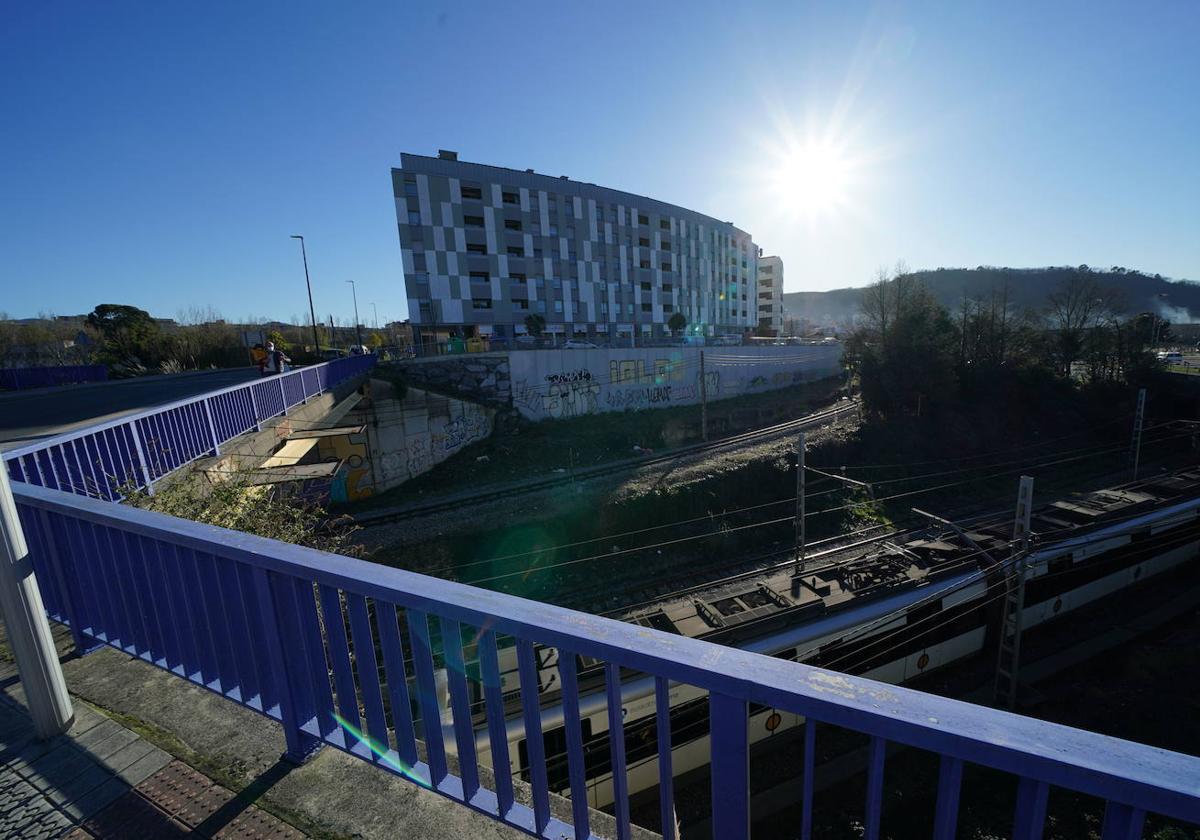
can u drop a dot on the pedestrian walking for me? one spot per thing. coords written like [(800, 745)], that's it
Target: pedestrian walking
[(277, 360)]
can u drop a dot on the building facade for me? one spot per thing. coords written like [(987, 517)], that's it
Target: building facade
[(486, 247), (770, 294)]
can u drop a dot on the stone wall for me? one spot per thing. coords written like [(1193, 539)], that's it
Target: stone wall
[(481, 377)]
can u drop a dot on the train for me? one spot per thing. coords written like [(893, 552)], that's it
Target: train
[(891, 611)]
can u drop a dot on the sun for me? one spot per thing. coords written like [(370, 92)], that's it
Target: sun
[(813, 179)]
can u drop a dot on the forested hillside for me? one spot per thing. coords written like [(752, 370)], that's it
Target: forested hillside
[(1177, 300)]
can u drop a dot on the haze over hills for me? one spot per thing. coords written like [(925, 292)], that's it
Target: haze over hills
[(1176, 300)]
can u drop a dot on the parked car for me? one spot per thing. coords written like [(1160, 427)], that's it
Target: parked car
[(1170, 358), (579, 344)]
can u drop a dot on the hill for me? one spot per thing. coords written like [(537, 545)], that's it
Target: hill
[(1177, 300)]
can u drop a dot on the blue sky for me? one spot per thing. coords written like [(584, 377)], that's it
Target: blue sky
[(160, 154)]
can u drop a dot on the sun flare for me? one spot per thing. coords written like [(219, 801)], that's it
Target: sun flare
[(813, 179)]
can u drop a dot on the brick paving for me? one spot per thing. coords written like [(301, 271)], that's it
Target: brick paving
[(101, 781)]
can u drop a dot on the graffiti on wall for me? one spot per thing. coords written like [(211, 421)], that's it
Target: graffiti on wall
[(353, 480), (464, 429)]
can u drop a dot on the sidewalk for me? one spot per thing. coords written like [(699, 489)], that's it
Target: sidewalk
[(102, 780)]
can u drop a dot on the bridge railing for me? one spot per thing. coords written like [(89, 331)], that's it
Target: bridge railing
[(16, 379), (139, 449), (346, 653)]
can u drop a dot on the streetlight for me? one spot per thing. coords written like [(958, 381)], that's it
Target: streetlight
[(376, 316), (357, 328), (312, 312)]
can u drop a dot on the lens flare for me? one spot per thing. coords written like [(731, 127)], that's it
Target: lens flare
[(382, 752)]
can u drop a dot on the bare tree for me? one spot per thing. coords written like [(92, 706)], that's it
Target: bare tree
[(1074, 306)]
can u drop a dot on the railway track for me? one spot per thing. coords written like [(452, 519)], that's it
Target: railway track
[(508, 490)]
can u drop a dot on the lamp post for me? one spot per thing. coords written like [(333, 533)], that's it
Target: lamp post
[(376, 311), (312, 312), (357, 328)]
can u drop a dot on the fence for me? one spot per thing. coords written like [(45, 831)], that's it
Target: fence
[(16, 379), (139, 449), (266, 624)]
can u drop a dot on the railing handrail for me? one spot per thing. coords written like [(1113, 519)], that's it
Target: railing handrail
[(1149, 778), (43, 443)]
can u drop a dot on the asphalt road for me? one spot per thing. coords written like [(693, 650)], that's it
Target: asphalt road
[(26, 416)]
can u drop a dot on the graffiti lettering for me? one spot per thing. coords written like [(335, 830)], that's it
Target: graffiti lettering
[(571, 399), (418, 456), (638, 397), (464, 429), (569, 376), (527, 396)]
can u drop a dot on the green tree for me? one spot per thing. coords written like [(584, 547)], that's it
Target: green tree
[(677, 323), (126, 331), (276, 337), (375, 340), (535, 324)]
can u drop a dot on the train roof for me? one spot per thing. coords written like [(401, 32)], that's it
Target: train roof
[(747, 605)]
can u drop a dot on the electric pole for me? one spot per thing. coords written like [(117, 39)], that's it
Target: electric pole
[(703, 401), (800, 527), (1138, 418), (1008, 665), (311, 312), (357, 327)]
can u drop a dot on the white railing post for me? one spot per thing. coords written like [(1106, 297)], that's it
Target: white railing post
[(212, 429), (28, 631), (254, 409), (141, 453)]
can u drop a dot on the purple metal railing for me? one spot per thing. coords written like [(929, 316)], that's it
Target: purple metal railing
[(139, 449), (15, 379), (310, 639)]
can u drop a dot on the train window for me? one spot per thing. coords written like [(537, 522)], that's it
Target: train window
[(555, 743)]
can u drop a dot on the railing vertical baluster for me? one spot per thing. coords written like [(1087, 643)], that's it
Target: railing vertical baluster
[(493, 695), (218, 624), (535, 746), (66, 582), (118, 583), (179, 604), (1030, 817), (238, 604), (295, 704), (304, 598), (807, 785), (1122, 822), (877, 753), (339, 652), (397, 683), (431, 717), (206, 644), (574, 732), (460, 704), (254, 408), (85, 563), (945, 820), (666, 776), (368, 669), (146, 561), (729, 745)]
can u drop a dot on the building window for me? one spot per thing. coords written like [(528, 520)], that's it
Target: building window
[(629, 309), (552, 230), (472, 192), (511, 198), (515, 252), (419, 261), (558, 306), (480, 277), (535, 228), (473, 221), (646, 307), (667, 307), (645, 287), (643, 242), (643, 220), (570, 232), (556, 282), (521, 304), (410, 189), (518, 277), (665, 224), (664, 245), (666, 266), (481, 303), (537, 253), (476, 249), (512, 224), (644, 264), (414, 218)]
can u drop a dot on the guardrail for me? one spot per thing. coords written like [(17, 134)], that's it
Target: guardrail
[(139, 449), (267, 625), (16, 379)]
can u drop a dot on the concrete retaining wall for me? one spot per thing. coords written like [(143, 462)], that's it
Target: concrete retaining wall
[(409, 436), (569, 383), (483, 377)]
